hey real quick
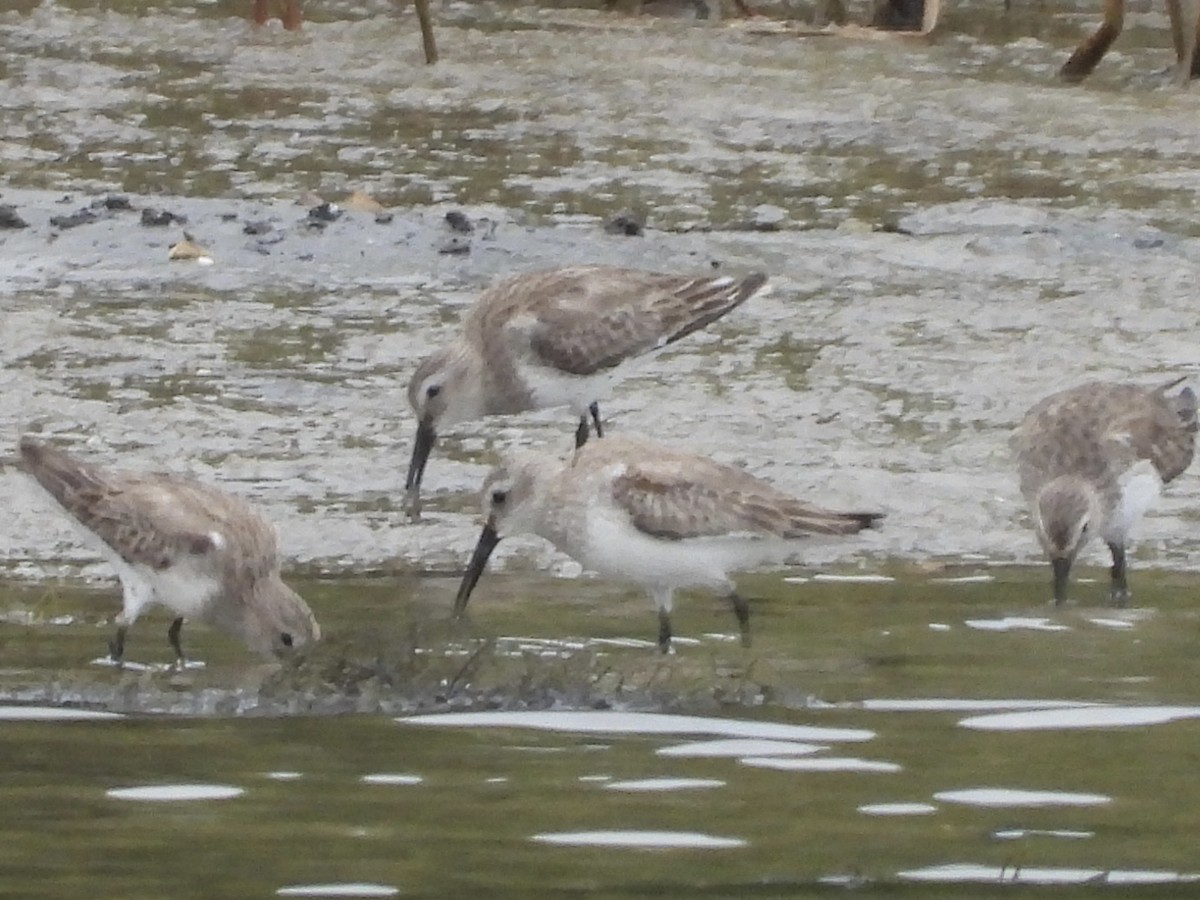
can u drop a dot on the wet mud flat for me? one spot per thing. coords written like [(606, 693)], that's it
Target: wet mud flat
[(949, 238), (884, 370)]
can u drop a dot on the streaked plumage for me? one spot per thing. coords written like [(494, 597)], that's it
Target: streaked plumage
[(200, 552), (638, 511), (556, 338), (1093, 459)]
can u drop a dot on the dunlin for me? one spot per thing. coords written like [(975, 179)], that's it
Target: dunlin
[(198, 551), (637, 511), (556, 338), (1093, 459)]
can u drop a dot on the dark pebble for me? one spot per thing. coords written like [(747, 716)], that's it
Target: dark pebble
[(458, 222), (259, 226), (326, 212), (10, 219), (384, 218), (74, 220), (112, 202), (160, 218), (627, 223)]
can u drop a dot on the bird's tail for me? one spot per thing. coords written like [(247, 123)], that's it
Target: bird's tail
[(812, 520), (1184, 404), (67, 478), (707, 299)]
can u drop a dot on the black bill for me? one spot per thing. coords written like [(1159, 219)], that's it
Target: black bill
[(426, 438), (488, 539), (1062, 569)]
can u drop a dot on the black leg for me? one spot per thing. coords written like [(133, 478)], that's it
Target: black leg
[(742, 610), (594, 409), (173, 637), (581, 433), (664, 631), (1120, 586), (116, 647)]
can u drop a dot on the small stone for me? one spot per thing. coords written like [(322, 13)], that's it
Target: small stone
[(325, 212), (160, 218), (458, 222), (626, 222), (455, 244), (10, 219), (74, 220), (258, 226)]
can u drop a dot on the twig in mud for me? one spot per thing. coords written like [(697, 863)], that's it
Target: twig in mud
[(471, 662)]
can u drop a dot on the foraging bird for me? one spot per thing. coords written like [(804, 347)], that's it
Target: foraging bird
[(556, 338), (1093, 459), (634, 510), (200, 552)]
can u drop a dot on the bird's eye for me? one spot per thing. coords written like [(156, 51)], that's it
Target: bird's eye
[(432, 391), (285, 639), (498, 497), (1084, 529)]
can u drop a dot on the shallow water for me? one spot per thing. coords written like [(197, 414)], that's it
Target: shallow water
[(873, 736), (949, 234)]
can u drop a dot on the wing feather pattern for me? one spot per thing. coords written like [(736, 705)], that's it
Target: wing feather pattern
[(150, 520), (1087, 429), (584, 320), (704, 499)]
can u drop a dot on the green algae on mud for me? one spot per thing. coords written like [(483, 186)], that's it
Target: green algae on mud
[(536, 642)]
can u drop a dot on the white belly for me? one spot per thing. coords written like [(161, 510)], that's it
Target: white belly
[(1140, 490), (551, 389), (615, 549), (182, 588)]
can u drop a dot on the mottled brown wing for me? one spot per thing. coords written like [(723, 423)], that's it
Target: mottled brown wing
[(1088, 429), (585, 320), (705, 499), (1159, 428), (1061, 434), (132, 518), (146, 521)]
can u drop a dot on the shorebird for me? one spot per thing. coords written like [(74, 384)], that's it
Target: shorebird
[(556, 338), (200, 552), (637, 511), (1093, 459)]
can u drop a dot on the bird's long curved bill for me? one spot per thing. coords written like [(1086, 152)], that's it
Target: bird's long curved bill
[(426, 438), (488, 539), (1062, 570)]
